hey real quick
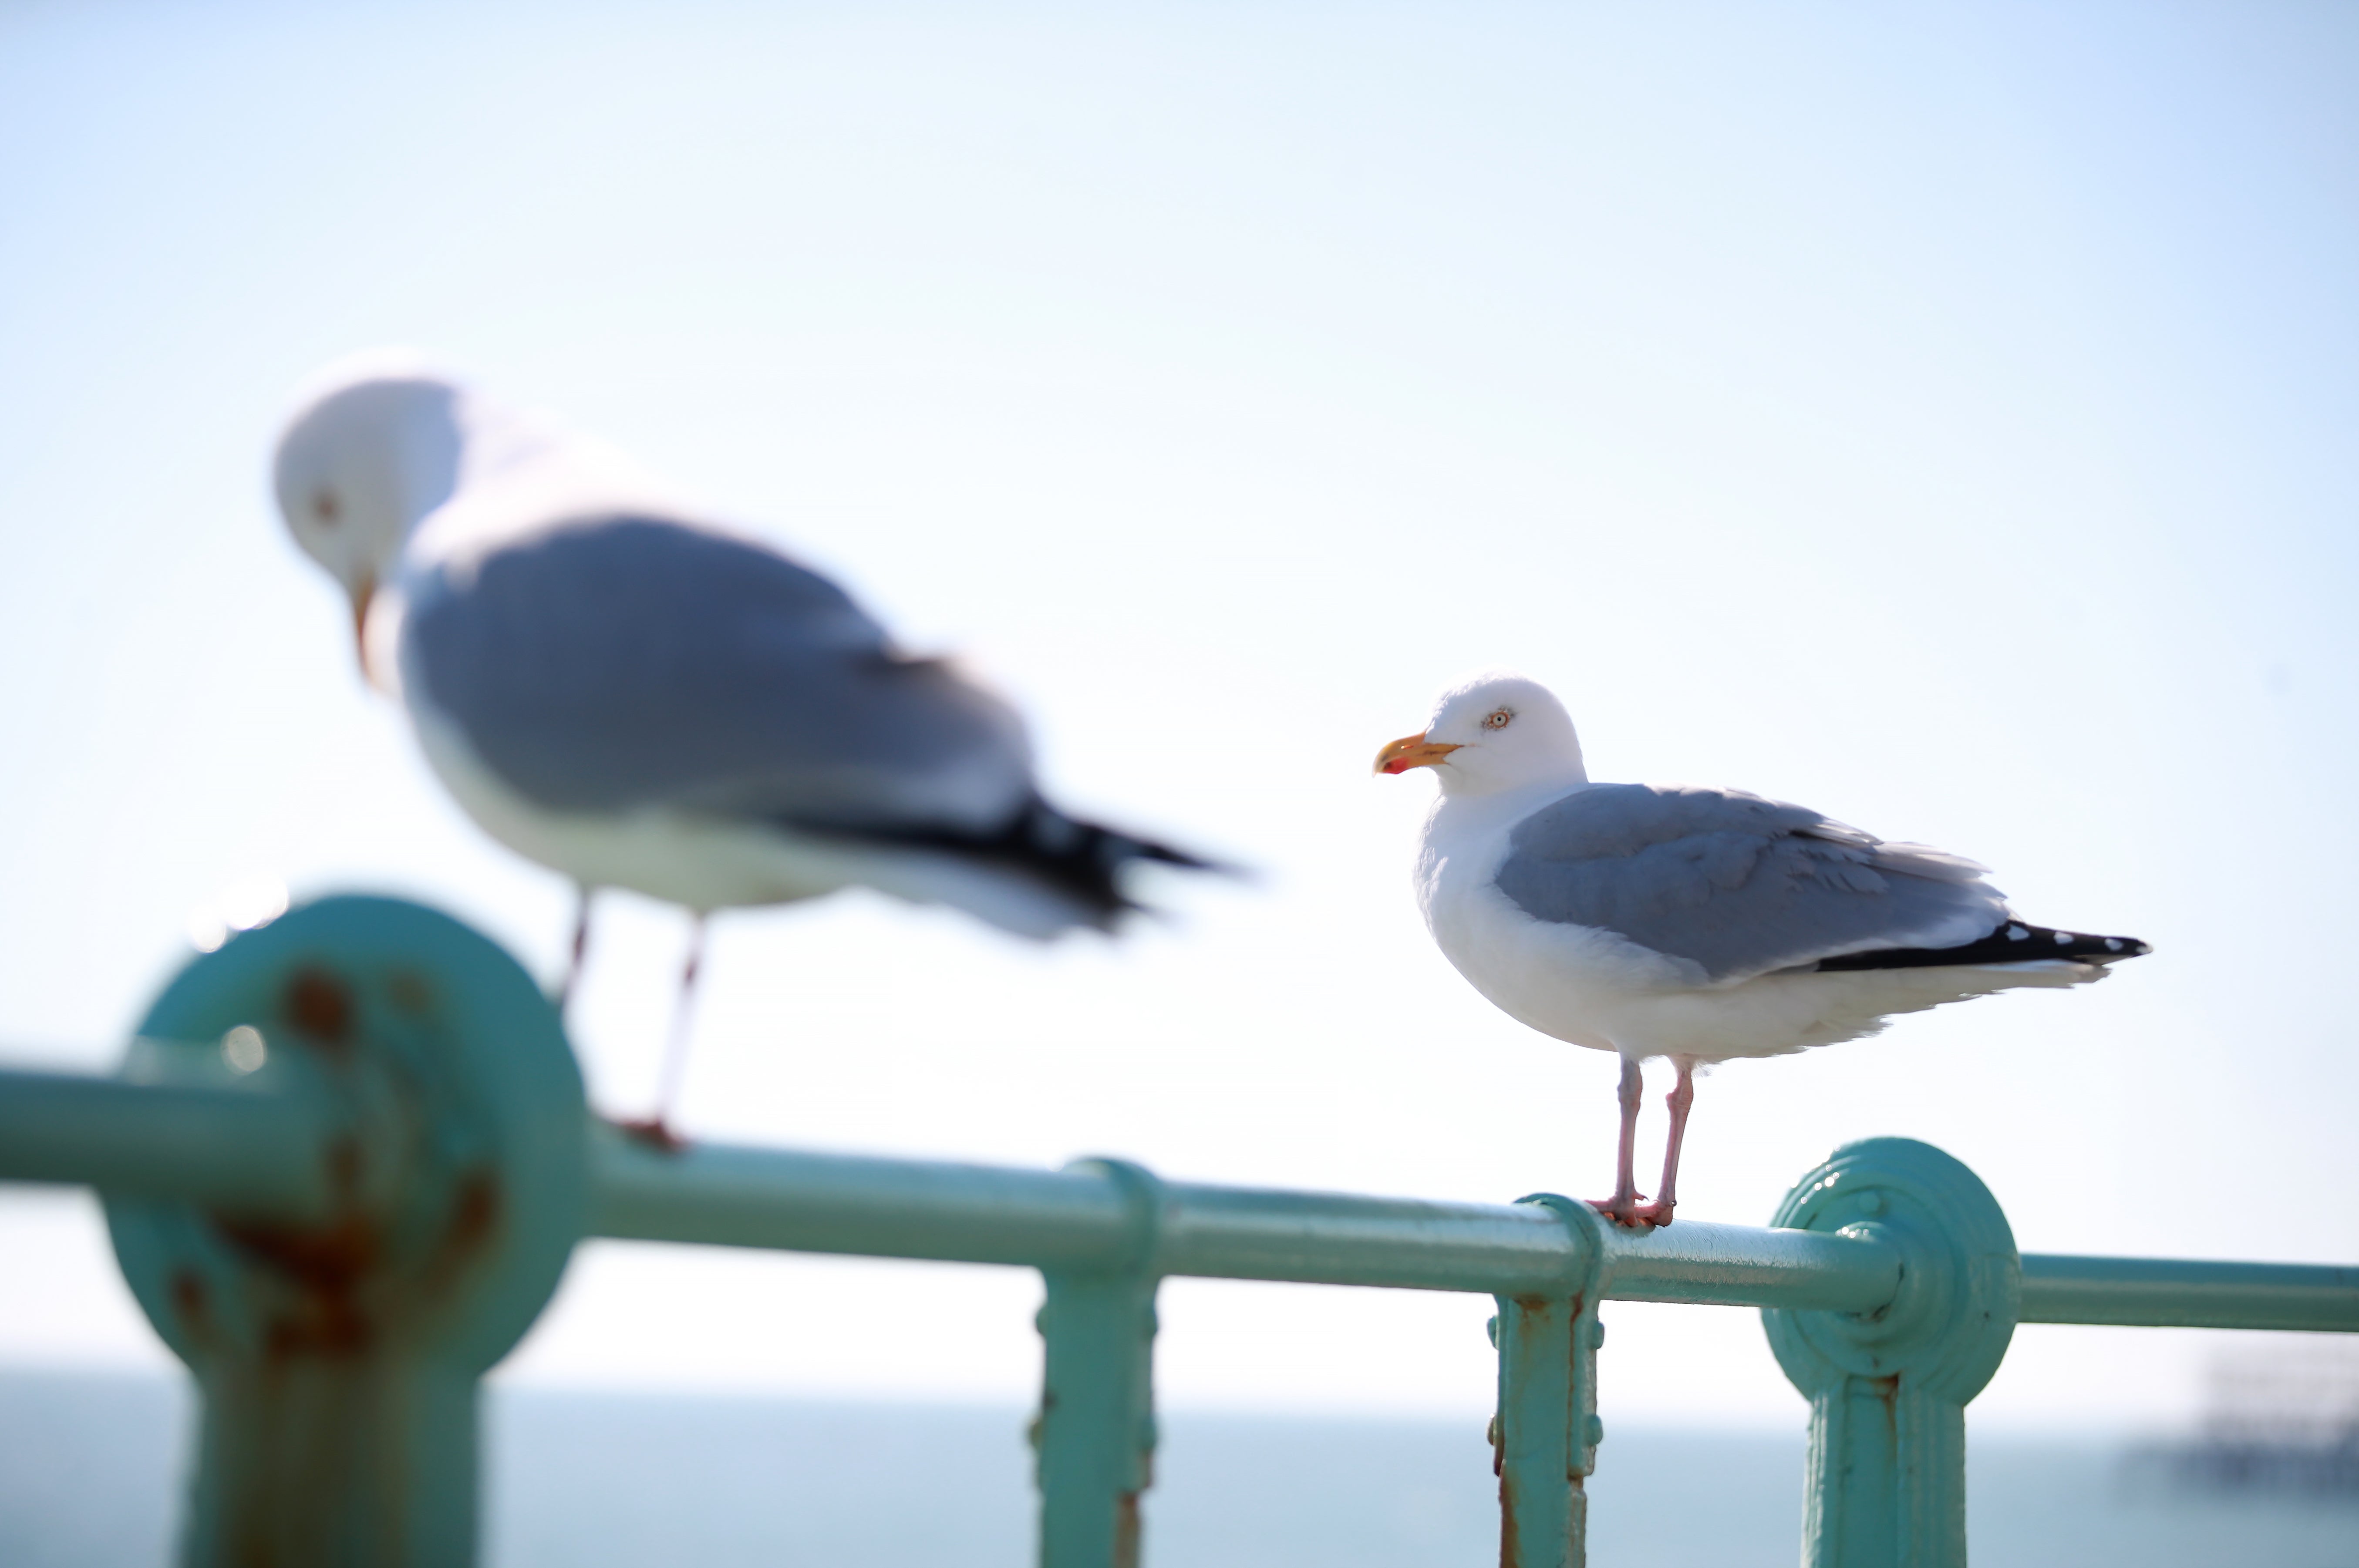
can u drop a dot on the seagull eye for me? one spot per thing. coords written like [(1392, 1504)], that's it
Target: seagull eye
[(326, 507), (1498, 720)]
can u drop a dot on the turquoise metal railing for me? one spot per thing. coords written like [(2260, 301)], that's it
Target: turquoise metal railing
[(348, 1157)]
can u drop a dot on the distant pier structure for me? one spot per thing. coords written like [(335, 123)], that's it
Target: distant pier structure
[(2278, 1417)]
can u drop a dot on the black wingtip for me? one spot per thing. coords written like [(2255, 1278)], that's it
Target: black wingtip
[(2016, 942), (1165, 855), (1081, 860)]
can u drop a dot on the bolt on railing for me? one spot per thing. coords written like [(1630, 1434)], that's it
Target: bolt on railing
[(340, 1241)]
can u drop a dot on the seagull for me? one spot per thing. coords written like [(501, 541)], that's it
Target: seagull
[(618, 685), (1700, 925)]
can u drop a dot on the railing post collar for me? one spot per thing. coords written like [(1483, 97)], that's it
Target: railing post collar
[(338, 1354), (1144, 1202), (1543, 1438), (1961, 1290), (1584, 1267), (1889, 1388), (1096, 1433)]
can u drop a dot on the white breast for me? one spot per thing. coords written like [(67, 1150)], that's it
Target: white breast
[(706, 863), (1568, 981)]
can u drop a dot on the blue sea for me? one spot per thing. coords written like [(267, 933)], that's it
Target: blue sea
[(89, 1469)]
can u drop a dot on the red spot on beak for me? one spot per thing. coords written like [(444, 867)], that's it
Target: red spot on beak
[(1411, 751)]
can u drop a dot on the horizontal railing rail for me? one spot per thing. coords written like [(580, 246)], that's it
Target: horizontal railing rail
[(2169, 1293), (254, 1151), (1075, 1219), (341, 1223), (262, 1153)]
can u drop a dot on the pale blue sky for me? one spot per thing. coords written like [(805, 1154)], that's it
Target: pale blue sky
[(1939, 414)]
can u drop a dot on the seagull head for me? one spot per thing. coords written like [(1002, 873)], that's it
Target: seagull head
[(372, 449), (1491, 732)]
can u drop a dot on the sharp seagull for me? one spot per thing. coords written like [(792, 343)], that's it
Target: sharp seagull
[(1700, 925)]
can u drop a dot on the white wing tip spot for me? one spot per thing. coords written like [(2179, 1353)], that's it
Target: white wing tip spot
[(2016, 933)]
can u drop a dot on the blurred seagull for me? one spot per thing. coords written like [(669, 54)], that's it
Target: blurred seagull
[(635, 695), (1702, 924)]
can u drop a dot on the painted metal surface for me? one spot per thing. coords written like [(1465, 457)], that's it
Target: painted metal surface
[(1888, 1390), (1095, 1432), (338, 1352), (226, 1145), (348, 1157), (2156, 1293), (1545, 1434), (236, 1143), (1074, 1218)]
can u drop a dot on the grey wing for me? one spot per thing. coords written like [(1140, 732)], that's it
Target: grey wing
[(629, 661), (1735, 884)]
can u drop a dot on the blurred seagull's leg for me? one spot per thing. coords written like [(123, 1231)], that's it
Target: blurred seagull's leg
[(656, 1129), (1623, 1206), (683, 1019), (581, 950), (1677, 1102)]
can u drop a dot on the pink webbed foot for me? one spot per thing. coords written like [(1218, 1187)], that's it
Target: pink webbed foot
[(1629, 1211)]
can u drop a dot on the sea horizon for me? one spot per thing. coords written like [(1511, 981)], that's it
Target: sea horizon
[(91, 1461)]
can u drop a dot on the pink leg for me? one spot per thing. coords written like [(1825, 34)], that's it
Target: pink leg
[(1678, 1101), (580, 951), (656, 1129), (1623, 1206)]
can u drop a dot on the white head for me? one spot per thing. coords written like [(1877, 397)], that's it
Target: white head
[(1491, 732), (374, 448)]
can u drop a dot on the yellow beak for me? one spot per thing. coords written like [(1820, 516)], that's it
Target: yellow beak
[(1411, 751)]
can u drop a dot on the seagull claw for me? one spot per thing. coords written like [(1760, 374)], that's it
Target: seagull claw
[(1629, 1211)]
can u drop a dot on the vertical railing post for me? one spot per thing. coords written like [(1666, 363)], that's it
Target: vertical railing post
[(337, 1358), (1543, 1438), (1095, 1432), (1888, 1390)]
